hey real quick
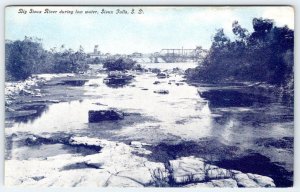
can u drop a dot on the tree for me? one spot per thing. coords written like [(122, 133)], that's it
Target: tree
[(265, 55), (220, 39), (261, 28), (241, 33), (22, 58)]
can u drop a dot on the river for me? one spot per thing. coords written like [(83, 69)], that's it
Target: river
[(225, 123)]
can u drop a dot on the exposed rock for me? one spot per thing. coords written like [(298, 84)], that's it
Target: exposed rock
[(33, 140), (200, 185), (230, 183), (179, 84), (118, 181), (141, 175), (37, 178), (20, 113), (136, 144), (44, 101), (155, 70), (94, 85), (105, 115), (222, 183), (156, 82), (162, 91), (244, 181), (214, 172), (162, 75), (187, 169), (121, 165), (118, 78), (52, 101), (75, 82), (101, 104), (262, 181)]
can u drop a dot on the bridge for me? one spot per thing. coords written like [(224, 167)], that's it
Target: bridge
[(178, 55)]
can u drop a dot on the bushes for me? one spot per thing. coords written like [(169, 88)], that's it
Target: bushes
[(22, 57), (69, 62), (265, 55), (27, 57), (119, 64)]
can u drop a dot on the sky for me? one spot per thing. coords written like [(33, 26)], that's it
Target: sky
[(152, 30)]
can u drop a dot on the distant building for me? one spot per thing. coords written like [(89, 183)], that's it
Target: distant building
[(96, 53)]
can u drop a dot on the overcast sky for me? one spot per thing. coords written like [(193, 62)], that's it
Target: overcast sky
[(156, 28)]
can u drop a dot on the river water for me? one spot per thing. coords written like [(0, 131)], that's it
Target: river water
[(218, 116)]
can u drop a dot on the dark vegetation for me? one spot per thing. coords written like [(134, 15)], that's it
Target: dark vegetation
[(27, 57), (120, 64), (265, 55)]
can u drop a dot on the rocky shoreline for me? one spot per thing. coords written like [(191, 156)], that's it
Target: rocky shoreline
[(121, 165)]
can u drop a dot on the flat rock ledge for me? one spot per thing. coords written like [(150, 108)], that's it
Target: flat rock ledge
[(196, 172), (123, 165)]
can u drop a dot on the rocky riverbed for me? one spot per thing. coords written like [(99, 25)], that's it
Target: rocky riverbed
[(116, 164), (171, 133)]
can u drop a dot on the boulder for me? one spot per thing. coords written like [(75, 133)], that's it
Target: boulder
[(74, 82), (155, 70), (262, 181), (196, 172), (120, 181), (229, 183), (162, 75), (214, 172), (105, 115), (200, 185), (187, 169), (136, 144), (244, 181), (162, 91), (118, 78), (179, 83), (223, 183)]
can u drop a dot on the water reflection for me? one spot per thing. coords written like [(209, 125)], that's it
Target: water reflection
[(27, 113), (233, 98)]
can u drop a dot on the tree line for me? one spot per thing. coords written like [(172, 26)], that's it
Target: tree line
[(26, 57), (264, 55)]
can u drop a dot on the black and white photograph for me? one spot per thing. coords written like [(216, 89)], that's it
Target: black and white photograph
[(149, 96)]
